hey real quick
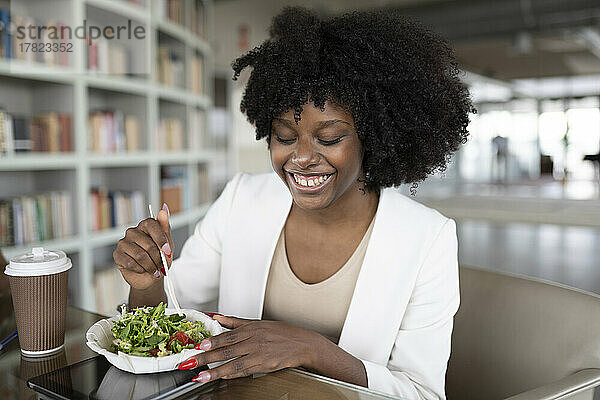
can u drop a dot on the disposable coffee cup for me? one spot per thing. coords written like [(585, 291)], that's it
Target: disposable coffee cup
[(39, 284)]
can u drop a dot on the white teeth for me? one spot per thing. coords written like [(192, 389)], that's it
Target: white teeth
[(312, 182)]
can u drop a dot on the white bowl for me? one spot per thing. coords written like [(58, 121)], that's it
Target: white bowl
[(99, 338)]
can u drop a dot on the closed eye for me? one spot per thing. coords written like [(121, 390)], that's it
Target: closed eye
[(285, 141), (330, 142)]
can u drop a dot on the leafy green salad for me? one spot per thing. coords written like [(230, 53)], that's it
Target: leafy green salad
[(149, 332)]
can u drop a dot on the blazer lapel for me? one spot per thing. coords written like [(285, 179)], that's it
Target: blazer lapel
[(246, 268), (384, 284), (277, 217)]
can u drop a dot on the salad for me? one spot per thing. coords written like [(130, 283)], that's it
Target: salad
[(149, 332)]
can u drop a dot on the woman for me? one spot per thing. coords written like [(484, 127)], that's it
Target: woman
[(323, 265)]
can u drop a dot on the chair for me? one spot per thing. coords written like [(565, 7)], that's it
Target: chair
[(520, 337)]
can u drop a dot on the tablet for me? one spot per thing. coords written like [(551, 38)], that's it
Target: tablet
[(96, 378)]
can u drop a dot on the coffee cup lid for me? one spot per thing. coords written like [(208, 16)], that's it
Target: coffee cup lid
[(38, 262)]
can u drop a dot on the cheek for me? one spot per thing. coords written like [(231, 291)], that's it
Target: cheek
[(348, 159), (278, 157)]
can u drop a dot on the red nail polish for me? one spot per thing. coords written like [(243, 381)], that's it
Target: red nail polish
[(212, 314), (162, 269), (189, 364)]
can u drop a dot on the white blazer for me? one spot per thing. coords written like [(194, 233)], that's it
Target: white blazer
[(400, 318)]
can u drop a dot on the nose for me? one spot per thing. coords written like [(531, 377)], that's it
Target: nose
[(305, 155)]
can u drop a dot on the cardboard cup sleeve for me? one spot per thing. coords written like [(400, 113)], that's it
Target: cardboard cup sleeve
[(40, 304)]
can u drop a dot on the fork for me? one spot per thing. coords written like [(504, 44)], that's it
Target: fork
[(166, 269)]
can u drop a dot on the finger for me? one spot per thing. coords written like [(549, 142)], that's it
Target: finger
[(241, 366), (224, 339), (231, 322), (154, 230), (222, 354), (140, 238), (125, 261), (163, 218), (139, 255), (257, 369)]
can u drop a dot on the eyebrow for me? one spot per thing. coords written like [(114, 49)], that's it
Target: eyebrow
[(320, 124)]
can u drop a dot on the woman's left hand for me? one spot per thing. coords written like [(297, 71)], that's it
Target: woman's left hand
[(257, 346)]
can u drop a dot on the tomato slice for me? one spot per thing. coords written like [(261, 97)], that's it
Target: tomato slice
[(182, 337)]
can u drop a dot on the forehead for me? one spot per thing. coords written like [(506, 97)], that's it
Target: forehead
[(311, 114)]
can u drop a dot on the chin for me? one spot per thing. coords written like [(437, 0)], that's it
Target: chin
[(310, 204)]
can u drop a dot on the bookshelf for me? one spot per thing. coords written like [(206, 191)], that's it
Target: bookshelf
[(30, 88)]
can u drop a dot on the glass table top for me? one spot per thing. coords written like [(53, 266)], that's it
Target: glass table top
[(286, 384)]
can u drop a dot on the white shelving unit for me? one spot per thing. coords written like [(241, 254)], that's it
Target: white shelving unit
[(75, 90)]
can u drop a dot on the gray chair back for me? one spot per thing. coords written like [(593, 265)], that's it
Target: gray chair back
[(513, 334)]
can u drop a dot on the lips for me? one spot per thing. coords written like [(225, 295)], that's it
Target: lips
[(309, 182)]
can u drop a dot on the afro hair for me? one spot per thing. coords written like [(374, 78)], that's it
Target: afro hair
[(399, 80)]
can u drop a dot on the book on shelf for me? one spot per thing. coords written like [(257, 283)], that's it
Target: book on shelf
[(170, 67), (132, 133), (49, 40), (20, 47), (111, 131), (51, 132), (35, 218), (197, 18), (170, 134), (22, 134), (173, 10), (204, 190), (173, 188), (115, 208), (6, 43), (172, 194), (110, 289), (47, 132), (6, 134), (196, 74), (108, 57), (63, 56), (18, 42)]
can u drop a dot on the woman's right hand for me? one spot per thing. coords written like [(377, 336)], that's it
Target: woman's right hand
[(137, 255)]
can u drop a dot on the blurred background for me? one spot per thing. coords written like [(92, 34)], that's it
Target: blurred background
[(93, 135)]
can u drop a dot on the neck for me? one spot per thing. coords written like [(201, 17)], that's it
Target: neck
[(353, 207)]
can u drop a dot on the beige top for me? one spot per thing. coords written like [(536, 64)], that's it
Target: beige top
[(322, 306)]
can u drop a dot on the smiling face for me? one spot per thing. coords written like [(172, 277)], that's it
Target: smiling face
[(320, 158)]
